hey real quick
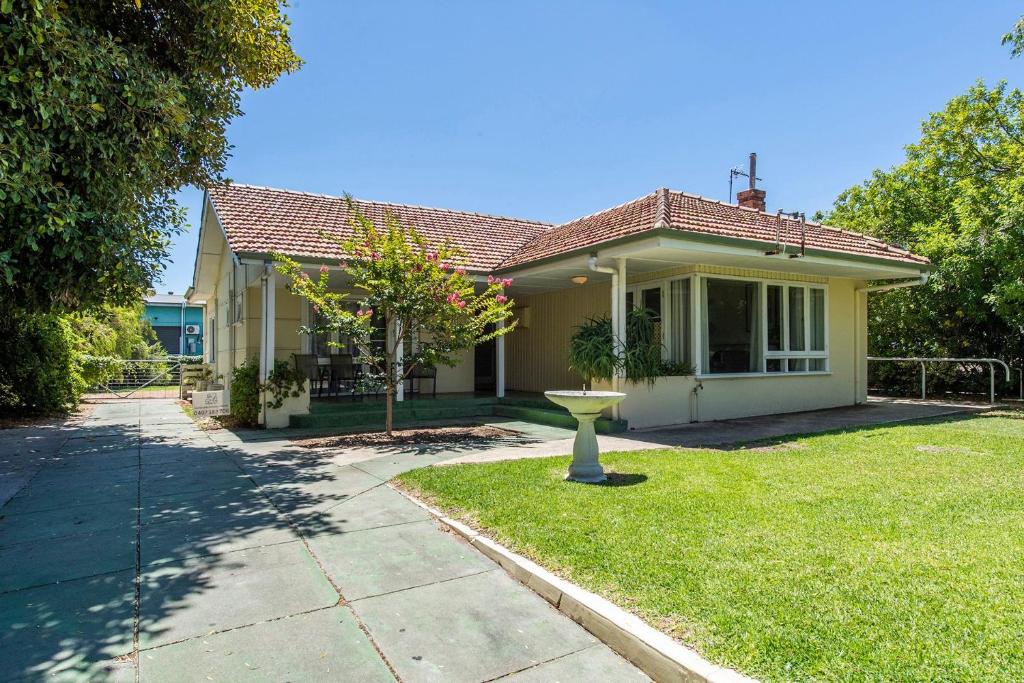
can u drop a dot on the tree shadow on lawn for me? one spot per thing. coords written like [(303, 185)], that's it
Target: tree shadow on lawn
[(187, 522)]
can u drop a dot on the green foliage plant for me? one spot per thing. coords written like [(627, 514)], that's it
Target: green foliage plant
[(107, 109), (39, 364), (283, 382), (245, 392)]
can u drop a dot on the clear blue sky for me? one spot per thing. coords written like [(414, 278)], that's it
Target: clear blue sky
[(552, 110)]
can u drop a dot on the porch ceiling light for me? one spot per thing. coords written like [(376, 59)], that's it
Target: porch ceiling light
[(579, 279)]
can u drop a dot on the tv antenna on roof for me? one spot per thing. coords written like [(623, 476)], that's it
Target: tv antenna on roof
[(751, 174)]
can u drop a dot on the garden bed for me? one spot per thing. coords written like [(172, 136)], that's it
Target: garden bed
[(888, 553)]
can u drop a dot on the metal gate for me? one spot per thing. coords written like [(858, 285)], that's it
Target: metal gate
[(142, 378)]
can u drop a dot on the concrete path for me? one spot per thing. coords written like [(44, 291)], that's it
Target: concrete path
[(724, 433), (135, 547)]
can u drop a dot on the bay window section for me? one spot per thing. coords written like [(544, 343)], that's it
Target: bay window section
[(732, 323)]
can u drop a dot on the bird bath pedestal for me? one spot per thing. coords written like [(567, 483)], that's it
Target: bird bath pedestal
[(585, 406)]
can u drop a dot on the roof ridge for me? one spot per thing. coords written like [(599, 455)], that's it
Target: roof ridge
[(610, 208), (384, 203), (662, 215)]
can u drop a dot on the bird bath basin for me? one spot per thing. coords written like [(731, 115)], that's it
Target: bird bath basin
[(585, 406)]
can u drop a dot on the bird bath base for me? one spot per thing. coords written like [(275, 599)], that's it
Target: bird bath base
[(586, 407)]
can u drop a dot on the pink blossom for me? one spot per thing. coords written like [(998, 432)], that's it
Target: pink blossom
[(490, 279), (324, 269), (501, 298), (444, 266), (507, 282), (375, 256), (460, 270), (368, 312), (453, 297), (462, 304)]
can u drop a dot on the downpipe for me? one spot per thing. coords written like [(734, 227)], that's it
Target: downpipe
[(695, 401)]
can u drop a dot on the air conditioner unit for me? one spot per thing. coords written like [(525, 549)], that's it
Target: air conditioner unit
[(191, 329)]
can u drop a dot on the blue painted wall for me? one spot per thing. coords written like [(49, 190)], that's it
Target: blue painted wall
[(169, 316)]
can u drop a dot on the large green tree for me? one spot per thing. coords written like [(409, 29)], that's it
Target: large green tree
[(958, 199), (107, 108)]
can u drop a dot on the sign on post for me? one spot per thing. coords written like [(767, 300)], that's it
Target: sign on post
[(210, 403)]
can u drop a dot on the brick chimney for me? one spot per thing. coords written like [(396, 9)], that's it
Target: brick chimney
[(752, 198)]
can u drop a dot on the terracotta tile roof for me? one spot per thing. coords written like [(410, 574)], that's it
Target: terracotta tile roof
[(689, 213), (260, 220)]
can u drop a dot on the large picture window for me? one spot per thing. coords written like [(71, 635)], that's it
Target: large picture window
[(731, 314), (796, 329)]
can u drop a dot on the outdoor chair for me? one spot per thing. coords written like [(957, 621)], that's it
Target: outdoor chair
[(344, 372), (422, 372), (309, 365)]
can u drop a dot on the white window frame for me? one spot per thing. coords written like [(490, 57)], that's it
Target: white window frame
[(696, 327), (784, 354), (666, 309)]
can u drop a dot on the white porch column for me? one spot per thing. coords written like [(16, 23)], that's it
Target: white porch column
[(499, 360), (394, 335), (268, 320), (620, 330)]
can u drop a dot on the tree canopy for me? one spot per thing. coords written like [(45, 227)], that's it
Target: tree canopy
[(958, 199), (107, 108)]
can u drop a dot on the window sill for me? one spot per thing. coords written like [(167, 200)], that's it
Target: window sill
[(751, 375)]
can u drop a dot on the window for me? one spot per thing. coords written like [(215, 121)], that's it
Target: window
[(796, 329), (679, 327), (732, 323)]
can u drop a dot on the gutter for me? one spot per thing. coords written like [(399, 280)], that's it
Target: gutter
[(899, 284)]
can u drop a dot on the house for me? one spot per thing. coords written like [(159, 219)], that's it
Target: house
[(178, 325), (770, 310)]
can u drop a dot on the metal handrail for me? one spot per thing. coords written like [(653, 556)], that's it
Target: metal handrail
[(991, 371)]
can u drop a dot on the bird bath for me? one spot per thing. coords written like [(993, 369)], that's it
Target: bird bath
[(585, 406)]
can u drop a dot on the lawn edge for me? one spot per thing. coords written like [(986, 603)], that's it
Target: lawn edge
[(655, 653)]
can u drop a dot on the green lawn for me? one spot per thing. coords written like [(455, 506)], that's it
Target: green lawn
[(894, 553)]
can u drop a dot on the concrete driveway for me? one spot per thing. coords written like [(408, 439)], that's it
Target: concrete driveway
[(133, 546)]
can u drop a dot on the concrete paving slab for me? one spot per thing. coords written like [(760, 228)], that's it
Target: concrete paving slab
[(392, 558), (41, 562), (68, 629), (492, 626), (303, 493), (390, 467), (53, 524), (595, 663), (199, 596), (326, 645), (86, 489), (237, 501), (213, 534), (89, 445), (189, 480), (377, 507)]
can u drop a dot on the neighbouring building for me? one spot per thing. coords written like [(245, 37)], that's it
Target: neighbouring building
[(769, 310), (178, 324)]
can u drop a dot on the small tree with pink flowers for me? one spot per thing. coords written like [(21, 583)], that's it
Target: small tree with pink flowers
[(398, 281)]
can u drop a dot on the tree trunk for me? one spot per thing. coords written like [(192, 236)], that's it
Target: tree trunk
[(389, 417)]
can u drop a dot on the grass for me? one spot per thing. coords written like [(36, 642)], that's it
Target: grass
[(892, 553)]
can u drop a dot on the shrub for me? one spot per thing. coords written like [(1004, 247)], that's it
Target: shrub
[(245, 392), (39, 364), (592, 350), (284, 381)]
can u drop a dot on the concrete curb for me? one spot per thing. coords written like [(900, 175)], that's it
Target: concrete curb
[(657, 655)]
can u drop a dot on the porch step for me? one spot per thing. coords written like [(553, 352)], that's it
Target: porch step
[(346, 415), (556, 418)]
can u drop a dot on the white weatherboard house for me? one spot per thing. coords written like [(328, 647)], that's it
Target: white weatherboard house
[(770, 311)]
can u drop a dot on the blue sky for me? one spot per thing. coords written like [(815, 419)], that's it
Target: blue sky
[(553, 110)]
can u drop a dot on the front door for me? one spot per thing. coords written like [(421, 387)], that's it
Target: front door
[(485, 364)]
